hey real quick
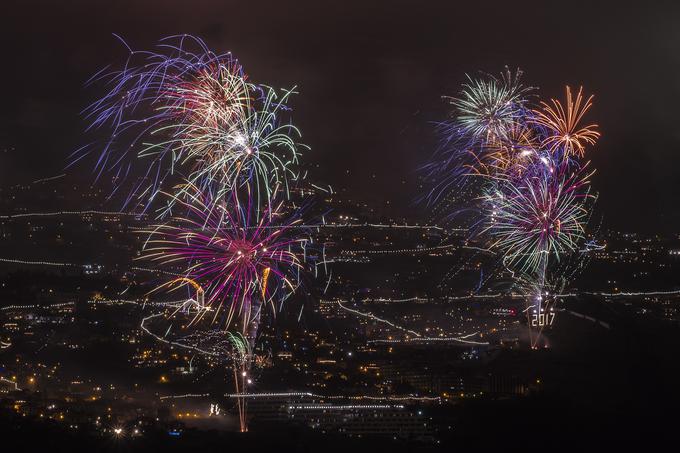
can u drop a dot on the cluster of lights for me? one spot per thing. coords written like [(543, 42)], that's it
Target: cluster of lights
[(409, 299), (420, 337), (375, 318), (344, 407), (398, 251), (84, 266), (265, 395), (12, 382), (28, 307), (461, 339), (172, 343), (37, 263), (63, 213)]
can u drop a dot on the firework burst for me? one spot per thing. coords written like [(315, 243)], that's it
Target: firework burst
[(510, 155), (487, 134), (538, 216), (187, 112), (563, 124), (241, 260), (488, 107), (257, 152)]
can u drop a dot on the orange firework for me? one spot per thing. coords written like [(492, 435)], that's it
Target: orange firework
[(563, 124), (265, 278)]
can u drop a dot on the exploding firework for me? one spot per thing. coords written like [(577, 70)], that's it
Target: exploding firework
[(488, 134), (149, 101), (538, 216), (509, 156), (488, 107), (563, 125), (242, 261), (189, 112), (532, 183), (257, 153)]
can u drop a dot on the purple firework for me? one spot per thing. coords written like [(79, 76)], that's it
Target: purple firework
[(242, 260)]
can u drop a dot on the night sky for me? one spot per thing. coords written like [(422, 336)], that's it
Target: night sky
[(371, 79)]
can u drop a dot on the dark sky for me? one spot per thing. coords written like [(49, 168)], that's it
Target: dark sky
[(370, 79)]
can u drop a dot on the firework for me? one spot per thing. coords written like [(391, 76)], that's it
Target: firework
[(488, 134), (538, 216), (239, 258), (189, 112), (511, 155), (488, 107), (242, 261), (258, 152), (563, 124), (148, 101)]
